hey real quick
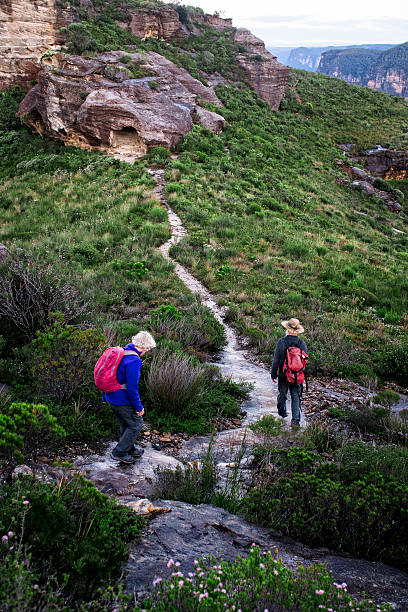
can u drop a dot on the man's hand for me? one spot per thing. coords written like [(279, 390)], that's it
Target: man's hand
[(140, 413)]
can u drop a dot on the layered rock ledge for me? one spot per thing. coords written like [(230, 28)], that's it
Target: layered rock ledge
[(95, 103)]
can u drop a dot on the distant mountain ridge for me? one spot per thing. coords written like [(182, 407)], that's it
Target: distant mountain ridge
[(382, 70), (308, 58)]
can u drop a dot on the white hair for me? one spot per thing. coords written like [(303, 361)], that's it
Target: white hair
[(144, 340)]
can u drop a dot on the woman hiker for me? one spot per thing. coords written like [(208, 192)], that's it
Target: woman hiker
[(293, 328), (125, 403)]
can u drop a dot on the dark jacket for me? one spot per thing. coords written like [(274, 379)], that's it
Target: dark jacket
[(128, 373), (280, 353)]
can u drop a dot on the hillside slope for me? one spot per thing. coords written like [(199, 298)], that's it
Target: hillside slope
[(274, 231)]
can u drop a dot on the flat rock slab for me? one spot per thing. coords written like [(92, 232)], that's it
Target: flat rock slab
[(188, 532), (115, 478)]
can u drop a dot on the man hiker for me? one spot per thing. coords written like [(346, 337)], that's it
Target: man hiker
[(125, 402), (288, 366)]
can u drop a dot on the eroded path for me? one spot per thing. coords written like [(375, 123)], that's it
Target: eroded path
[(185, 532)]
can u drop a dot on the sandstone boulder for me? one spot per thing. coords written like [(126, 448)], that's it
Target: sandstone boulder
[(360, 174), (365, 186), (92, 102), (212, 121)]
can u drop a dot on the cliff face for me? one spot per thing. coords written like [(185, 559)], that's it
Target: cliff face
[(382, 70), (306, 58), (94, 103), (265, 74), (28, 28)]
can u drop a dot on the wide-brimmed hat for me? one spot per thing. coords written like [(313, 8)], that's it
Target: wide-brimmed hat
[(293, 326)]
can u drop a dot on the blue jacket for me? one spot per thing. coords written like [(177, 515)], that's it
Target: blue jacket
[(128, 373)]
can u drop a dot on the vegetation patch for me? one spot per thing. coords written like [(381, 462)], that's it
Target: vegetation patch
[(259, 582), (64, 532)]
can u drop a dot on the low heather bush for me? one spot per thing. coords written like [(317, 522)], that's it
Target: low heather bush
[(194, 327), (259, 582), (359, 458)]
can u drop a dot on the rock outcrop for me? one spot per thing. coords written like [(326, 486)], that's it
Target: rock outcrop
[(162, 23), (189, 532), (265, 74), (365, 182), (387, 163), (95, 102)]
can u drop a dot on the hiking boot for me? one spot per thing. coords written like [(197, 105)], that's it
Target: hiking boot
[(123, 459), (295, 425), (282, 413), (136, 452)]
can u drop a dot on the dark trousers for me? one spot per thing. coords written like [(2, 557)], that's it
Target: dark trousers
[(130, 426), (295, 396)]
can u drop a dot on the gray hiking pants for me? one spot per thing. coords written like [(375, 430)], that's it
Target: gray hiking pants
[(295, 396), (130, 426)]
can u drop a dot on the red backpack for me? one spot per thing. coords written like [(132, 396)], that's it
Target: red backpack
[(294, 365), (106, 368)]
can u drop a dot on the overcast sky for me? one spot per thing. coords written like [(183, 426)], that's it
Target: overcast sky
[(316, 22)]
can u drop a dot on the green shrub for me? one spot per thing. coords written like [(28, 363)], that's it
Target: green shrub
[(380, 183), (184, 396), (194, 327), (9, 103), (86, 421), (23, 426), (393, 364), (320, 437), (19, 585), (269, 425), (174, 382), (386, 398), (165, 311), (158, 157), (193, 483), (254, 583), (72, 531), (63, 360), (366, 516), (359, 458)]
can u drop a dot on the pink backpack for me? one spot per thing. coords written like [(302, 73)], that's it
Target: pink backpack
[(294, 365), (106, 368)]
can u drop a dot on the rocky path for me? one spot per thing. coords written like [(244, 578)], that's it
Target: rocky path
[(233, 362), (184, 532)]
